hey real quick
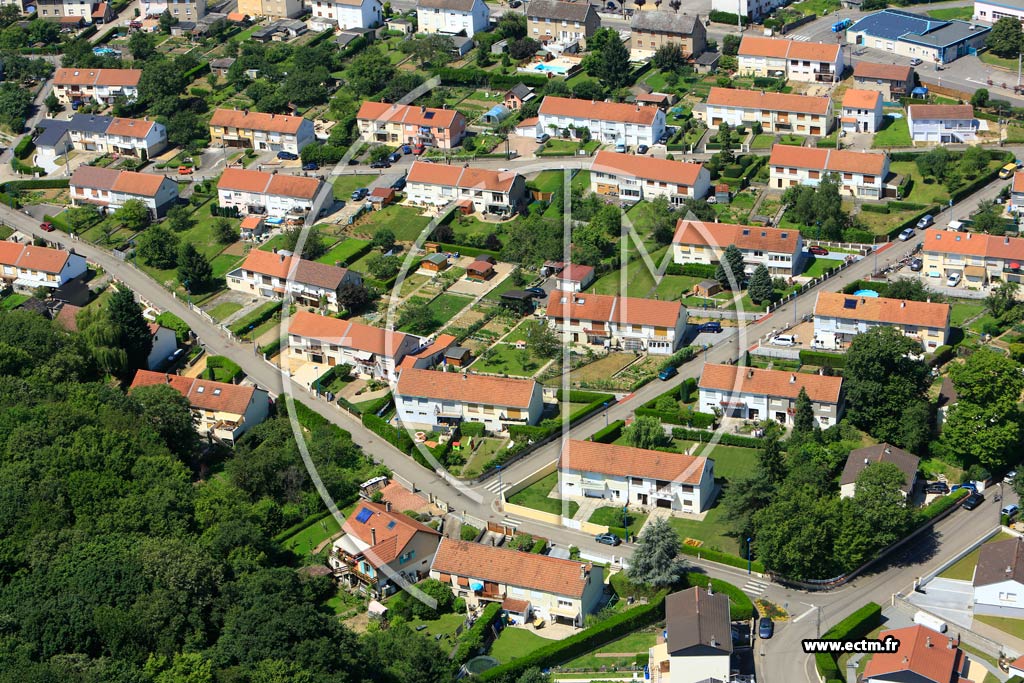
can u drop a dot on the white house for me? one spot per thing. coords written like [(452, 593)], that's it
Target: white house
[(526, 584), (991, 11), (496, 192), (942, 123), (862, 111), (221, 410), (424, 398), (862, 458), (864, 175), (838, 318), (924, 656), (609, 122), (406, 124), (999, 579), (755, 394), (275, 195), (636, 476), (699, 242), (452, 17), (574, 277), (632, 178), (348, 13), (698, 643), (259, 131), (110, 188), (617, 322), (270, 275), (71, 85), (140, 138), (753, 9), (776, 112), (371, 352), (27, 266), (790, 59), (164, 344)]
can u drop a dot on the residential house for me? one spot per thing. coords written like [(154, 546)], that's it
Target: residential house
[(862, 111), (574, 277), (699, 242), (526, 584), (501, 193), (892, 80), (428, 399), (917, 36), (165, 343), (924, 656), (407, 124), (776, 112), (636, 476), (348, 13), (182, 10), (220, 410), (561, 24), (977, 257), (75, 86), (608, 122), (999, 579), (1017, 667), (942, 123), (110, 188), (617, 322), (755, 394), (790, 59), (270, 275), (653, 29), (27, 267), (698, 638), (632, 178), (452, 17), (755, 10), (991, 11), (271, 9), (518, 96), (371, 352), (862, 458), (221, 66), (104, 13), (864, 175), (275, 195), (140, 138), (1017, 193), (259, 131), (382, 548), (838, 318)]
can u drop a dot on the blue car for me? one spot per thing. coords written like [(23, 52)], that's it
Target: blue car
[(765, 628), (406, 149), (399, 184), (667, 374), (287, 156), (359, 194)]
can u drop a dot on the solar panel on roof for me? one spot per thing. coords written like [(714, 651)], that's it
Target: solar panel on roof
[(850, 303), (428, 115), (364, 515)]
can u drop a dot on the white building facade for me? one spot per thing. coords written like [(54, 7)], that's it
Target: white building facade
[(608, 122), (348, 13), (452, 17), (617, 322), (632, 178), (699, 242), (755, 394)]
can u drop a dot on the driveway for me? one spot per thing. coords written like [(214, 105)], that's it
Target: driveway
[(949, 599)]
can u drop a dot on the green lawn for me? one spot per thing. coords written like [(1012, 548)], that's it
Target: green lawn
[(502, 287), (547, 181), (1015, 627), (523, 331), (12, 301), (445, 624), (673, 287), (762, 141), (536, 496), (922, 192), (893, 133), (1004, 62), (221, 311), (712, 530), (636, 643), (343, 251), (817, 266), (981, 322), (303, 542), (274, 243), (611, 516), (405, 221), (963, 569), (447, 305), (961, 312), (640, 280), (507, 359), (819, 7), (222, 264), (795, 140), (514, 643), (961, 13), (345, 185), (240, 326)]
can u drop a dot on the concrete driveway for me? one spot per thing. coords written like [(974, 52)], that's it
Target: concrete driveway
[(948, 598)]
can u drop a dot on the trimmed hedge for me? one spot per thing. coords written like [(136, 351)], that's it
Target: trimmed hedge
[(853, 627), (589, 639), (36, 184), (467, 251), (255, 321), (705, 270), (941, 356), (940, 505), (20, 167), (704, 436), (24, 148), (821, 358), (396, 437), (271, 348), (472, 428), (875, 208), (722, 558), (473, 638), (610, 433), (678, 358), (726, 18), (741, 607), (687, 417)]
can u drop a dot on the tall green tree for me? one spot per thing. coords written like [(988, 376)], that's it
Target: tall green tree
[(608, 59), (803, 418), (645, 432), (194, 270), (180, 219), (761, 289), (133, 214), (1005, 39), (656, 559), (730, 271), (158, 247), (124, 316)]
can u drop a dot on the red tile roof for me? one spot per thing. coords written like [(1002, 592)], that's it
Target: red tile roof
[(721, 235), (769, 101), (836, 160), (67, 317), (254, 120), (922, 651), (130, 128), (306, 272), (882, 72), (973, 244), (576, 272), (126, 182), (259, 182), (941, 112), (202, 393), (620, 309), (409, 115), (601, 111), (403, 499), (30, 257), (756, 46), (861, 99), (624, 461), (109, 77), (647, 168), (779, 383), (1018, 181), (466, 388), (394, 531), (459, 176), (511, 567), (882, 310), (346, 333)]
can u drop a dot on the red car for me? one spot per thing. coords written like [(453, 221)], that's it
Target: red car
[(818, 251), (46, 227)]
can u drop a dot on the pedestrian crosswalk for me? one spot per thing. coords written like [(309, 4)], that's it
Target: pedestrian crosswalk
[(512, 522), (755, 588), (798, 37), (497, 486)]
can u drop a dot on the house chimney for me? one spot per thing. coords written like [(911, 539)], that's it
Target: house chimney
[(373, 536), (387, 506), (949, 643), (928, 641), (714, 642), (583, 572), (792, 379), (903, 304)]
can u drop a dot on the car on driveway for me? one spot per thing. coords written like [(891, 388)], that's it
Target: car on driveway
[(953, 280), (915, 61), (906, 234), (287, 156), (937, 487), (817, 251), (394, 157), (916, 265), (1010, 476), (710, 326), (399, 184), (974, 500), (359, 194), (642, 149), (383, 163), (1010, 510), (783, 340), (608, 539), (765, 628)]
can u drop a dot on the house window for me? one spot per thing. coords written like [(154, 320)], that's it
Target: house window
[(564, 603)]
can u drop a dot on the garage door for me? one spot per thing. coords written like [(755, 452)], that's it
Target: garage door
[(593, 493)]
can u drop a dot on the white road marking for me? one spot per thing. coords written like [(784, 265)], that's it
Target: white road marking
[(810, 611)]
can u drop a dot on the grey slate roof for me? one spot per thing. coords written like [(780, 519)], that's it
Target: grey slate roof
[(698, 622), (664, 21), (708, 59), (89, 123), (456, 5), (53, 131), (861, 458), (521, 91), (562, 11), (1000, 561), (953, 33)]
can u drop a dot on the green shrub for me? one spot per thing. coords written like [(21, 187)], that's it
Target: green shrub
[(940, 505), (398, 438), (678, 358), (610, 433), (721, 557), (853, 627), (822, 358), (726, 18), (943, 355), (468, 532), (271, 348), (875, 208), (24, 148), (472, 639), (704, 436), (705, 270), (472, 428)]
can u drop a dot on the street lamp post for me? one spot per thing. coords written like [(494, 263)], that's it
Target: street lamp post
[(606, 413), (748, 555)]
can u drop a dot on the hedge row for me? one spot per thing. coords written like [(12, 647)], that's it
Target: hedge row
[(35, 184), (610, 433), (853, 627), (24, 148), (468, 251), (821, 358), (705, 270), (940, 505), (726, 18), (704, 436), (875, 208), (678, 358), (722, 558), (575, 396), (20, 167), (255, 320), (271, 348), (686, 416), (473, 639), (741, 607), (589, 639), (398, 438)]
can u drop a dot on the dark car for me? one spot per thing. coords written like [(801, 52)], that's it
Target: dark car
[(817, 251), (668, 373), (406, 149), (765, 628), (937, 487), (287, 156), (916, 265), (537, 291), (359, 194), (974, 500), (608, 539), (46, 227), (394, 157), (383, 163), (711, 326), (310, 166), (399, 184), (642, 149)]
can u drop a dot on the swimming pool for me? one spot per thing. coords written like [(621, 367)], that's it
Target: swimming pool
[(869, 293), (542, 68)]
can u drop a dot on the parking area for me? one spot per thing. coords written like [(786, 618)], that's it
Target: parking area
[(950, 599)]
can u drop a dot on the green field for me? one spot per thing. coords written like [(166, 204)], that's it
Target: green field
[(345, 185), (446, 306), (12, 301), (405, 221), (343, 251), (1015, 627), (611, 516), (673, 287), (624, 651), (1004, 62), (893, 133), (536, 496), (640, 280), (303, 542), (961, 312), (223, 310), (817, 266), (514, 643), (963, 569), (763, 141), (948, 13)]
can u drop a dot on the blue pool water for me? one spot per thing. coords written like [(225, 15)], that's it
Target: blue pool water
[(542, 68), (870, 293)]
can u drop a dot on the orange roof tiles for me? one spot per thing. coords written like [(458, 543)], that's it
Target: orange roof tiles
[(940, 112), (882, 72), (576, 272), (429, 173), (603, 308), (346, 333), (259, 182), (779, 383), (973, 244), (647, 168), (393, 531), (109, 77), (129, 128), (721, 235), (466, 388), (882, 310), (284, 185), (836, 160), (922, 651), (624, 461), (306, 272), (142, 184), (403, 499), (29, 257), (202, 394), (861, 99), (756, 46), (601, 111), (769, 101), (407, 114), (511, 567), (1018, 181), (254, 120)]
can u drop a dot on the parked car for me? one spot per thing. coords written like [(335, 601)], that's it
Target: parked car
[(608, 539), (184, 170), (817, 251), (1010, 510), (383, 163), (394, 157), (359, 194), (765, 628), (642, 149), (287, 156), (537, 291), (419, 149), (1008, 170), (783, 340), (916, 265), (668, 373), (953, 280), (621, 149), (926, 221), (542, 138), (406, 149), (969, 486), (710, 326), (937, 487), (1010, 476), (310, 166), (399, 184), (906, 234), (974, 500), (515, 3), (46, 226), (915, 62)]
